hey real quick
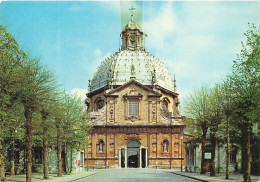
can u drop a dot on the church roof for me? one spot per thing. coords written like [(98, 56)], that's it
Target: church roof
[(132, 61), (119, 68)]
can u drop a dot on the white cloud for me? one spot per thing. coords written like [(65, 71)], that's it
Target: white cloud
[(97, 52), (197, 41), (159, 26), (79, 92)]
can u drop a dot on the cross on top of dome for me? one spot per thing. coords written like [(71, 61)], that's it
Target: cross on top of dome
[(132, 35), (132, 9)]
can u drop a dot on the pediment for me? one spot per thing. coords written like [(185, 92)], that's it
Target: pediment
[(134, 90)]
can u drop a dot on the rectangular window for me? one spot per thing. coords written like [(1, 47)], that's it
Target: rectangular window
[(133, 108)]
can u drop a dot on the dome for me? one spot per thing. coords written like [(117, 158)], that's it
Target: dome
[(126, 64), (132, 25)]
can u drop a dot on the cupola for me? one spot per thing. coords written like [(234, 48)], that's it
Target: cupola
[(132, 37)]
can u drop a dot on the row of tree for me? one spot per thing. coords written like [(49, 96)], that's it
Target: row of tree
[(33, 110), (231, 109)]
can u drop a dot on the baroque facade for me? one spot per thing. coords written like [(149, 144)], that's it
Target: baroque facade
[(133, 105)]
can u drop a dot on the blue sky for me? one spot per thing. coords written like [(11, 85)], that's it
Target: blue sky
[(197, 41)]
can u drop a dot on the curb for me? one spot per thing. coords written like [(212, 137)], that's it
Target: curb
[(190, 177), (81, 177)]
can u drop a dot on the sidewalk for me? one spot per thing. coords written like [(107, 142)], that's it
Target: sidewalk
[(37, 177), (237, 177)]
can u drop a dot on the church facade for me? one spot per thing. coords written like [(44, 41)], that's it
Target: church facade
[(133, 106)]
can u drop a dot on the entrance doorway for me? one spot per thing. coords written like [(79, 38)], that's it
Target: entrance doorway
[(143, 157), (133, 154)]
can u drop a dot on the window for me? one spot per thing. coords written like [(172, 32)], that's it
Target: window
[(132, 102), (165, 146), (133, 108), (100, 146), (164, 105), (100, 104)]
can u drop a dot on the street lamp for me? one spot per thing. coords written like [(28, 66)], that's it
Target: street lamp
[(181, 151)]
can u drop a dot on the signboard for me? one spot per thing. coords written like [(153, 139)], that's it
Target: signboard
[(207, 155)]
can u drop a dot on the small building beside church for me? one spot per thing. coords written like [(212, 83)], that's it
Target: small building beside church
[(133, 106)]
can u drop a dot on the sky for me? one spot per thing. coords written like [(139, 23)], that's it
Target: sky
[(197, 41)]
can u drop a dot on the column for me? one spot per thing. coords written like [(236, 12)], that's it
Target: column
[(140, 157), (119, 158), (125, 157), (146, 157)]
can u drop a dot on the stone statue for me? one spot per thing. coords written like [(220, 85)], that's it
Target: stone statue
[(165, 147), (132, 70), (100, 147)]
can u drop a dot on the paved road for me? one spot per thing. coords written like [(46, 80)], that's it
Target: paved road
[(134, 175)]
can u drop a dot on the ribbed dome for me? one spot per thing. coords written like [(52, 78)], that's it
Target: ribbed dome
[(132, 25), (120, 67)]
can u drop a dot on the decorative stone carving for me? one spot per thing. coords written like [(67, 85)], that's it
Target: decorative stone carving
[(154, 112), (99, 116), (111, 111)]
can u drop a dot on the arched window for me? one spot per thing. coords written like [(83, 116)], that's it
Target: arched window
[(165, 105), (99, 103), (165, 146), (100, 146)]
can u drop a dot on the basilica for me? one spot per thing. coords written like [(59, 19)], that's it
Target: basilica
[(133, 106)]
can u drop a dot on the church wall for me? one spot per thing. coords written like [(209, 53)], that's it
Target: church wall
[(119, 105), (150, 138)]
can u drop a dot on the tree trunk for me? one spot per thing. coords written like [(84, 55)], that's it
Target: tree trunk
[(227, 156), (45, 145), (247, 174), (59, 145), (213, 153), (243, 151), (65, 159), (2, 163), (70, 159), (203, 143), (12, 173), (28, 117)]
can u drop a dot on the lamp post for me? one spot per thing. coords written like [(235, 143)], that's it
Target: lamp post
[(181, 151), (87, 153)]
